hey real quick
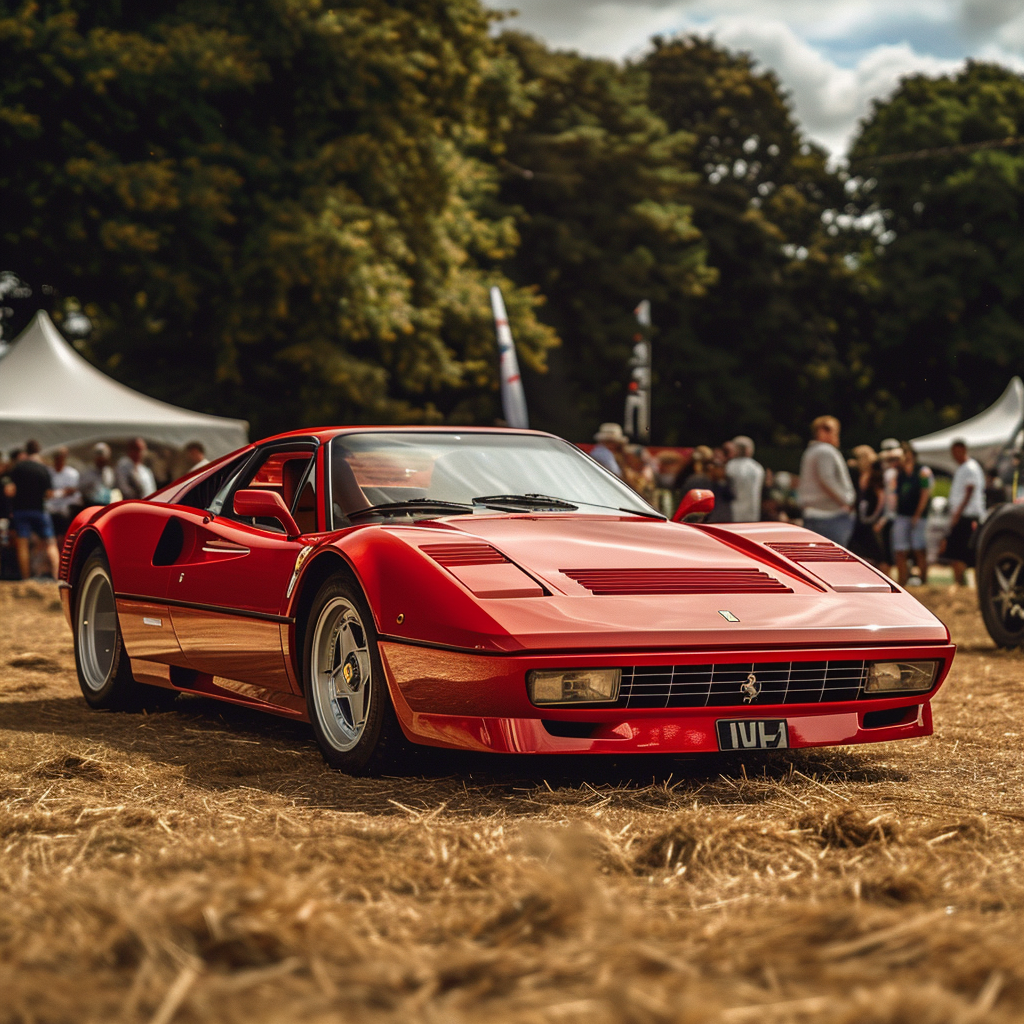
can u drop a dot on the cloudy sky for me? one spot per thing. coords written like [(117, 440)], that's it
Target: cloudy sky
[(834, 56)]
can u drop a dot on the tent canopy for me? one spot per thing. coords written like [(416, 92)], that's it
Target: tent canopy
[(50, 393), (986, 434)]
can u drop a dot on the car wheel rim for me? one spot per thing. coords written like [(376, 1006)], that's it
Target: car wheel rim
[(97, 629), (1007, 592), (341, 673)]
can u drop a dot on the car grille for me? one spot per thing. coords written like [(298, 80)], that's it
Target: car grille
[(605, 582), (715, 686)]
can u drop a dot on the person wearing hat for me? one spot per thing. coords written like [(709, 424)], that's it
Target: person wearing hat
[(611, 444), (891, 454), (97, 482), (870, 504)]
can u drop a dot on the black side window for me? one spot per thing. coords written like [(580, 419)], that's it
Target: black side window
[(283, 471), (200, 495)]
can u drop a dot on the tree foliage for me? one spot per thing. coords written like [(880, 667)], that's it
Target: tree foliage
[(600, 189), (779, 338), (949, 320), (270, 207), (291, 210)]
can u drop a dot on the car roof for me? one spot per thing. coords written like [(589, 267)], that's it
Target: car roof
[(326, 433)]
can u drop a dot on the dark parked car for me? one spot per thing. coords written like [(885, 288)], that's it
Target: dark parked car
[(1000, 569)]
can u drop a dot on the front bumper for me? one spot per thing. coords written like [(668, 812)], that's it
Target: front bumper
[(468, 701)]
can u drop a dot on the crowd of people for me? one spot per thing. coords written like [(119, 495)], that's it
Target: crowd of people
[(876, 504), (39, 499)]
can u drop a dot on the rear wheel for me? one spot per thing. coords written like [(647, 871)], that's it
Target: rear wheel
[(346, 692), (104, 672), (1001, 590)]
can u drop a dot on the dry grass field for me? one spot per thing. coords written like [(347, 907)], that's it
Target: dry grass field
[(200, 864)]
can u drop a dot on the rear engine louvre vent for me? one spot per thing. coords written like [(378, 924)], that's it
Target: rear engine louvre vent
[(450, 555), (676, 581), (812, 551)]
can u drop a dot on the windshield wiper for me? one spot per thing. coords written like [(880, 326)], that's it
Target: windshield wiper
[(412, 505), (643, 512), (525, 501)]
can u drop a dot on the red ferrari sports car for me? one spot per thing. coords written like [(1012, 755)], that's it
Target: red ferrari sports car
[(491, 590)]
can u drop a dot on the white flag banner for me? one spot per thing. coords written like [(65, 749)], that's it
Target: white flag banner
[(513, 399)]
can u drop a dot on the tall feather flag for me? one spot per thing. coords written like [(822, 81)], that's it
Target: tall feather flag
[(513, 399)]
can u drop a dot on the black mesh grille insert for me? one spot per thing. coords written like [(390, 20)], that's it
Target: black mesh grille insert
[(720, 686)]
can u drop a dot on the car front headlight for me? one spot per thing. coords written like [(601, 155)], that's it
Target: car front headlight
[(901, 676), (575, 686)]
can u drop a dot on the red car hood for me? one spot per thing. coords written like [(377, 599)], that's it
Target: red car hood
[(808, 613)]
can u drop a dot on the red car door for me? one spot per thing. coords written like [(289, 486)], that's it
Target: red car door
[(140, 542), (228, 590)]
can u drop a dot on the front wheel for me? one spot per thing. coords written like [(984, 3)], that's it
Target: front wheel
[(1001, 590), (346, 692), (104, 672)]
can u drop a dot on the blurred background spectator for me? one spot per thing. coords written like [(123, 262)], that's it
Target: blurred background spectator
[(97, 482), (746, 477), (195, 455), (65, 502), (826, 493), (134, 478), (609, 448), (914, 486), (870, 505), (28, 486)]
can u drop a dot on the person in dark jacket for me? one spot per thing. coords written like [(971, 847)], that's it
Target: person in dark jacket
[(29, 485)]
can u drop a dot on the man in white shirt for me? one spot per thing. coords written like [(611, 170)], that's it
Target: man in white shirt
[(65, 497), (826, 493), (134, 478), (98, 481), (747, 478), (966, 506)]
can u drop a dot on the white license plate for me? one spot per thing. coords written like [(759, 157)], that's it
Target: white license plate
[(752, 734)]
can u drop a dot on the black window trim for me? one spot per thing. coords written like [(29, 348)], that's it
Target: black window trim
[(260, 454)]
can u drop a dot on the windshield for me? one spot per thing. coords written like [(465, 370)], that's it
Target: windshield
[(470, 471)]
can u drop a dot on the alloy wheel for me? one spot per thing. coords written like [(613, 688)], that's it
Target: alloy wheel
[(97, 629), (341, 673)]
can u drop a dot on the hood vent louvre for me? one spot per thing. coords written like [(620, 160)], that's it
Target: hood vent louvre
[(450, 555), (812, 551), (676, 581)]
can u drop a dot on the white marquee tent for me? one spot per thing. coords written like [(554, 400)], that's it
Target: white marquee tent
[(986, 434), (50, 393)]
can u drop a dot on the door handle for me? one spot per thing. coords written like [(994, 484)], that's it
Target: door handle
[(217, 546)]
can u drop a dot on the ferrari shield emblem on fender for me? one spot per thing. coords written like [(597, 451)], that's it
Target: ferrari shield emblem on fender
[(300, 560)]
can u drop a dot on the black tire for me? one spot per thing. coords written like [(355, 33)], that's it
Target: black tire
[(1001, 589), (346, 692), (104, 672)]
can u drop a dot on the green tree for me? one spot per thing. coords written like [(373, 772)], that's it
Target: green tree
[(782, 336), (283, 210), (600, 189), (950, 313)]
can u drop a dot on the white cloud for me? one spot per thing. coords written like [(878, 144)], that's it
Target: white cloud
[(834, 58), (828, 99)]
